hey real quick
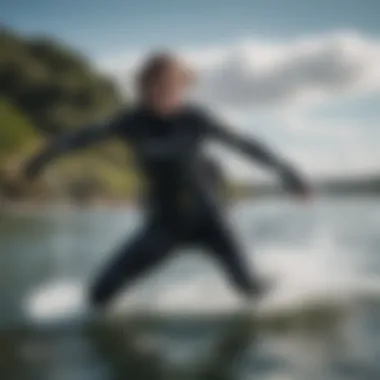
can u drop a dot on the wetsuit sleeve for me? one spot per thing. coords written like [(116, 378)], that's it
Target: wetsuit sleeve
[(256, 150), (75, 140)]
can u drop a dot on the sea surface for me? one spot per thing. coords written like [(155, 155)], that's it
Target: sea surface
[(320, 319)]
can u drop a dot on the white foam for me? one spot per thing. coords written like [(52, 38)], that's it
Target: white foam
[(309, 275), (55, 300), (318, 274)]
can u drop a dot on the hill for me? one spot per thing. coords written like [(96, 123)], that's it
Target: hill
[(46, 88)]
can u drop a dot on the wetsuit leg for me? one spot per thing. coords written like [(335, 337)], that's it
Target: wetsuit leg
[(220, 239), (132, 260)]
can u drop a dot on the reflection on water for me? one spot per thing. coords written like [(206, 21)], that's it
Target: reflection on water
[(225, 348), (321, 322)]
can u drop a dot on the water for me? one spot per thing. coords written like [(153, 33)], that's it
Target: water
[(320, 321)]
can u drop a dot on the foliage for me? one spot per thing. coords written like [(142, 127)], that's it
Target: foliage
[(46, 88), (53, 85), (16, 131)]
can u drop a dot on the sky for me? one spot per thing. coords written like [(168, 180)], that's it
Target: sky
[(303, 75)]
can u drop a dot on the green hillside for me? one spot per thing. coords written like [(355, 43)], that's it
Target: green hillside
[(47, 88)]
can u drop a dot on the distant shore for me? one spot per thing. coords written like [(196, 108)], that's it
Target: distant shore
[(26, 206), (32, 205)]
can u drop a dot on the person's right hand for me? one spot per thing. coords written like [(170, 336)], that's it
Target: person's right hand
[(33, 167)]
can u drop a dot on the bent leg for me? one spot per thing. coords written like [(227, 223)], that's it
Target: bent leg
[(220, 239), (132, 260)]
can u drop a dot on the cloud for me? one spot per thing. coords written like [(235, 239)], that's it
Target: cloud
[(319, 147), (276, 81), (328, 147), (254, 73), (303, 71)]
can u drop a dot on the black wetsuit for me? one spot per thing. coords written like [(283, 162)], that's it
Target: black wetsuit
[(182, 205)]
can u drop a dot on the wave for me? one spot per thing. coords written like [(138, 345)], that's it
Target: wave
[(62, 305), (314, 283)]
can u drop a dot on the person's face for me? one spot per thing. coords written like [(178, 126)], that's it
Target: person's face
[(166, 92)]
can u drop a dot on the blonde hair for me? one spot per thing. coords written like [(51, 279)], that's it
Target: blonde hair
[(158, 63)]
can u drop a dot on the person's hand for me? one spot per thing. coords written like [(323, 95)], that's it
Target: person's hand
[(296, 185), (33, 167), (304, 192)]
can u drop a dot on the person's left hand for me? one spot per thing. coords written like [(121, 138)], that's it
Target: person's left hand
[(305, 192), (296, 185)]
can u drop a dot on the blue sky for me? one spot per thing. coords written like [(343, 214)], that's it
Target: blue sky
[(104, 27), (306, 77)]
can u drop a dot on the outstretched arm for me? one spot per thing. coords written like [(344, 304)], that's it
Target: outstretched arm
[(69, 142), (259, 152)]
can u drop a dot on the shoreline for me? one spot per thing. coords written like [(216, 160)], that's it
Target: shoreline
[(27, 205)]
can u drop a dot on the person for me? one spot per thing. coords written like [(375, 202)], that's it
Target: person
[(182, 205)]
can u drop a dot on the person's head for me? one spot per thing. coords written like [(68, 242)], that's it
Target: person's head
[(162, 82)]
